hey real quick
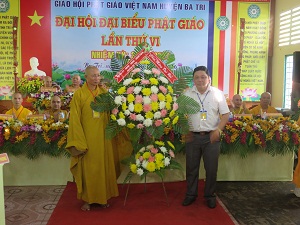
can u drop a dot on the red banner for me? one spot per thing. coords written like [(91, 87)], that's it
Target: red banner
[(36, 34), (162, 67)]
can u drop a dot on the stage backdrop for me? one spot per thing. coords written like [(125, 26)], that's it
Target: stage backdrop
[(229, 37)]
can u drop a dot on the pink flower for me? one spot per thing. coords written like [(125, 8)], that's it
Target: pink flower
[(132, 116), (154, 97), (172, 153), (5, 90), (155, 71), (67, 76), (130, 90), (163, 89), (175, 106), (138, 99), (115, 111), (141, 158), (158, 123), (151, 159), (136, 70), (154, 150), (140, 126), (147, 108), (163, 113), (145, 82)]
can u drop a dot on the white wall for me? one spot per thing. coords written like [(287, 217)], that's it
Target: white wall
[(280, 53)]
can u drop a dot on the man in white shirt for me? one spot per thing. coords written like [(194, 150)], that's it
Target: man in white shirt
[(204, 136), (34, 63)]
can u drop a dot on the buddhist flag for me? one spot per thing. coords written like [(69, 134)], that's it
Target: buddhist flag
[(36, 34)]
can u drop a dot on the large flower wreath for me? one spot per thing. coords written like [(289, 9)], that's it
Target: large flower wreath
[(30, 84), (147, 106)]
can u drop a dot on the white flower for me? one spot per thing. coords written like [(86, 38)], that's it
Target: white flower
[(142, 149), (127, 81), (163, 149), (167, 161), (121, 122), (174, 99), (137, 162), (38, 128), (163, 79), (162, 105), (137, 90), (139, 117), (127, 112), (139, 171), (146, 100), (42, 96), (67, 126), (147, 122), (147, 71), (144, 164), (157, 115), (131, 107), (118, 100), (154, 89), (150, 146)]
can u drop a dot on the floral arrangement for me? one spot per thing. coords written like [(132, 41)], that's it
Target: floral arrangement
[(29, 84), (42, 100), (154, 158), (33, 137), (275, 136)]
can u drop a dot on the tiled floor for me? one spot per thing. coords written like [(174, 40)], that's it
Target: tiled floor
[(30, 204)]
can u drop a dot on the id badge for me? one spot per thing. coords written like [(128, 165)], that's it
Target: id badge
[(203, 115), (96, 114)]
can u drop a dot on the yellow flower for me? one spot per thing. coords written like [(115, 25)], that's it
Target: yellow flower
[(146, 91), (121, 115), (130, 98), (153, 81), (135, 81), (130, 125), (154, 106), (146, 155), (169, 98), (166, 120), (172, 113), (124, 106), (159, 164), (151, 167), (137, 155), (62, 140), (170, 89), (168, 105), (161, 97), (145, 62), (160, 143), (149, 115), (138, 107), (159, 156), (121, 90), (170, 144), (133, 168), (175, 120)]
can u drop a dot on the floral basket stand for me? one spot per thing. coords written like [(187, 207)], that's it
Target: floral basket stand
[(143, 103)]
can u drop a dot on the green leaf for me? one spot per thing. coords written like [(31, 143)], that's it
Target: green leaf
[(187, 105), (134, 134), (112, 129), (103, 103)]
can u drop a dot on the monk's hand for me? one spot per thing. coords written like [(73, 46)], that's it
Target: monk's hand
[(215, 136), (189, 137), (75, 152)]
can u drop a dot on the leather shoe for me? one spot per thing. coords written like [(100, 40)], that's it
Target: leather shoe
[(211, 203), (188, 200)]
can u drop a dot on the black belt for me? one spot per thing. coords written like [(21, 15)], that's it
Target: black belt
[(202, 132)]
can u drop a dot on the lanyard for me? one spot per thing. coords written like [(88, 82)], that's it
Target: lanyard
[(202, 105), (94, 95), (239, 112), (19, 112)]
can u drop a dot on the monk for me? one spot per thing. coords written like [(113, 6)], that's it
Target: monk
[(238, 106), (18, 111), (76, 84), (92, 157), (264, 106), (56, 112), (48, 83), (296, 178)]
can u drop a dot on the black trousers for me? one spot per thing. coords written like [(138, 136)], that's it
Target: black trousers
[(198, 147)]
